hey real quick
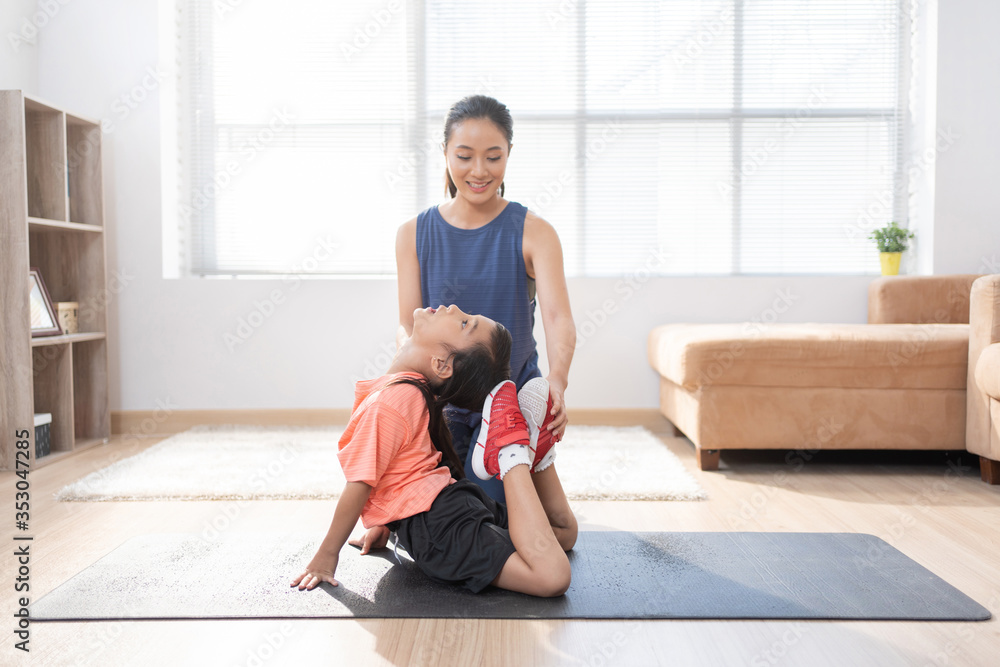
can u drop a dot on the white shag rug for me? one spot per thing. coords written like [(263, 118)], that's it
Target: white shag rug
[(269, 463)]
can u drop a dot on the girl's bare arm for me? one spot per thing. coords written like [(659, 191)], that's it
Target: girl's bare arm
[(323, 566)]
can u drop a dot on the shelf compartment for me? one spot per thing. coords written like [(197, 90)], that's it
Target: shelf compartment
[(91, 407), (83, 160), (72, 266), (45, 141), (53, 391)]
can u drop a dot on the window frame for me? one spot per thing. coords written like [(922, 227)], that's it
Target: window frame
[(202, 131)]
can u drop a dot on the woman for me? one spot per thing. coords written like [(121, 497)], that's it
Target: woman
[(488, 255)]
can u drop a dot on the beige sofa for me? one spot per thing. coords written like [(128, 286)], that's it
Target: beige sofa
[(982, 434), (898, 382)]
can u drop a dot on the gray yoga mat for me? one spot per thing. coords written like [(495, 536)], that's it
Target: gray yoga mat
[(615, 575)]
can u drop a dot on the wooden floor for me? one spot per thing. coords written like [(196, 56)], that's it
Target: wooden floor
[(935, 510)]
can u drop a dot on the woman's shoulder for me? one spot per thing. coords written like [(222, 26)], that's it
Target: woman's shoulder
[(539, 230), (411, 224), (532, 218), (406, 233), (406, 240)]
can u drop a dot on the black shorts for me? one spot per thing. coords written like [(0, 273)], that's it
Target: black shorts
[(461, 539)]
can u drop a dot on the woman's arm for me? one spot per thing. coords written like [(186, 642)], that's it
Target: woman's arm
[(323, 566), (543, 260), (408, 278)]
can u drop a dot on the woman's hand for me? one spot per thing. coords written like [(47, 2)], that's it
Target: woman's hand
[(321, 568), (376, 538), (560, 418)]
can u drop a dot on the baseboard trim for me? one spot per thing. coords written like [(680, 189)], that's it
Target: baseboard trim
[(160, 422), (155, 423), (651, 418)]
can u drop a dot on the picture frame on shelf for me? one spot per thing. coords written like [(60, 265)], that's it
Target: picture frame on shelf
[(44, 321)]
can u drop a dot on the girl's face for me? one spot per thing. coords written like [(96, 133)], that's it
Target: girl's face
[(450, 327), (477, 159)]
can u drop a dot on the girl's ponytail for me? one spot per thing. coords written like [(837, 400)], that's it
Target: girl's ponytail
[(438, 426)]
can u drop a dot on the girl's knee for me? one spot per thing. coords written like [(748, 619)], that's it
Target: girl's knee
[(567, 537), (557, 581), (566, 532)]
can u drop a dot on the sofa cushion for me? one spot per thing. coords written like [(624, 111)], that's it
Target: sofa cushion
[(988, 371), (812, 418), (918, 356)]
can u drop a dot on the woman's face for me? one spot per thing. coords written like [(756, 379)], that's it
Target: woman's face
[(477, 159)]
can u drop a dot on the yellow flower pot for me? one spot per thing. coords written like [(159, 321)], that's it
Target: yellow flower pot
[(890, 263)]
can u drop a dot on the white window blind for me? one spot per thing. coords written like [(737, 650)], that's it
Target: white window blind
[(678, 137)]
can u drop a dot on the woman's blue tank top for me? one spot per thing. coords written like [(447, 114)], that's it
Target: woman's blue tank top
[(482, 272)]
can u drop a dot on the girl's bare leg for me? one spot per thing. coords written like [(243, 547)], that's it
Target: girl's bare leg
[(553, 499), (539, 566)]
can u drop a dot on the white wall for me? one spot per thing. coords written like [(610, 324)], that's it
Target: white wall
[(20, 24), (967, 212), (169, 335)]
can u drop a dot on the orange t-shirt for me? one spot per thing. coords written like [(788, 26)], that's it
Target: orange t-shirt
[(387, 446)]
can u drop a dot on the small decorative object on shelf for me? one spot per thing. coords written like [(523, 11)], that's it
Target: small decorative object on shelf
[(44, 321), (68, 316), (891, 242), (43, 440)]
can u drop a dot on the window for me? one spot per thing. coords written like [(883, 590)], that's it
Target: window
[(680, 137)]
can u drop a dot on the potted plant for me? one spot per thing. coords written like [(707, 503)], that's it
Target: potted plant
[(891, 242)]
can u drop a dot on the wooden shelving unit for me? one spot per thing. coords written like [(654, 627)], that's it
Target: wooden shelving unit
[(52, 218)]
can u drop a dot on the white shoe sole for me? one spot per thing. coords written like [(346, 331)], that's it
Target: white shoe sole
[(533, 399)]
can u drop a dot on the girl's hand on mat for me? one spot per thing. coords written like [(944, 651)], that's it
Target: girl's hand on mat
[(316, 573), (376, 538)]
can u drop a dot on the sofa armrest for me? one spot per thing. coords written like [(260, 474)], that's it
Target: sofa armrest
[(988, 371), (920, 299), (984, 332)]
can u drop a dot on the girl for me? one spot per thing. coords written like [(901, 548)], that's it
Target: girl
[(490, 256), (393, 446)]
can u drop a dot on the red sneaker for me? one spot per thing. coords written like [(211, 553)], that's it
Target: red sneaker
[(536, 406), (503, 424)]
